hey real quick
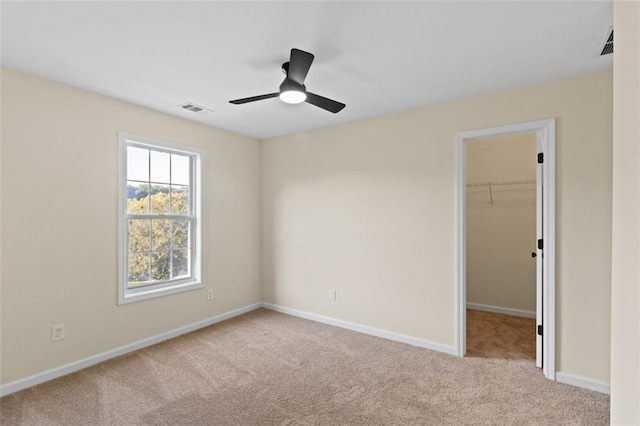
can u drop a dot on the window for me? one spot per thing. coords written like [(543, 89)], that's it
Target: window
[(160, 219)]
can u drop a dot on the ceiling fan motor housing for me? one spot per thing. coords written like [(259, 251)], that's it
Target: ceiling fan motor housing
[(290, 85)]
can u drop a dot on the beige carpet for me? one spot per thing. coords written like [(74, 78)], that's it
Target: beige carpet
[(491, 335), (266, 368)]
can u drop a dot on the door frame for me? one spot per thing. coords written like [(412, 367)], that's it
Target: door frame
[(545, 135)]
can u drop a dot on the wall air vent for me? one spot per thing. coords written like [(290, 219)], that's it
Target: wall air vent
[(190, 106), (606, 47)]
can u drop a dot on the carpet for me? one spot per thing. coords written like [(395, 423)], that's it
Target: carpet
[(491, 335), (266, 368)]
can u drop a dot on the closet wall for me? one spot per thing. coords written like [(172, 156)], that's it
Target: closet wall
[(501, 222)]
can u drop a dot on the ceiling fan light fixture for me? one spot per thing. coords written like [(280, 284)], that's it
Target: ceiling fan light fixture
[(293, 96)]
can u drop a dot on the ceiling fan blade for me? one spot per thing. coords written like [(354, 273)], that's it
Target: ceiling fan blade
[(324, 103), (254, 98), (299, 65)]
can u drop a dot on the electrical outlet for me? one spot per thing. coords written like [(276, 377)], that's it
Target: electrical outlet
[(209, 294), (57, 332), (332, 295)]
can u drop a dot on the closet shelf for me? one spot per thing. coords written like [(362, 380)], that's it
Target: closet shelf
[(503, 185)]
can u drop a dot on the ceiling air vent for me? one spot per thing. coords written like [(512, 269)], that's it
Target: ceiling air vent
[(190, 106), (606, 47)]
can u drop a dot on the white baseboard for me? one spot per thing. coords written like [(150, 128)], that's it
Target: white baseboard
[(72, 367), (501, 310), (583, 382), (364, 329)]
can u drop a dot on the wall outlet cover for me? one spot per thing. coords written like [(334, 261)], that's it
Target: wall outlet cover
[(57, 332)]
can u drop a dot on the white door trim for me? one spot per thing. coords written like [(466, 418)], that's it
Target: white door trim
[(545, 130), (539, 253)]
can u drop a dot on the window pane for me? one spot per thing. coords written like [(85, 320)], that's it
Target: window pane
[(161, 234), (139, 234), (181, 264), (159, 198), (180, 233), (160, 266), (138, 269), (180, 199), (160, 167), (180, 169), (137, 198), (137, 163)]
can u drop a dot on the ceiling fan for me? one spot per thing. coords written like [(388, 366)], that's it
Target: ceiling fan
[(292, 89)]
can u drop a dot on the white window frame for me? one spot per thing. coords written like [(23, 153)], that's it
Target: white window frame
[(130, 295)]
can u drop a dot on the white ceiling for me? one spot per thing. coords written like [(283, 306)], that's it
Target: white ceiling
[(377, 57)]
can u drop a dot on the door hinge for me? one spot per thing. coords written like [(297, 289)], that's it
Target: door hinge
[(540, 244), (540, 158), (540, 330)]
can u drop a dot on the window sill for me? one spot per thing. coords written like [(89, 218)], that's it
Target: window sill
[(126, 296)]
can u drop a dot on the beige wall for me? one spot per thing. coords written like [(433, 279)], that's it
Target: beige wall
[(365, 208), (59, 220), (368, 208), (625, 310), (501, 234)]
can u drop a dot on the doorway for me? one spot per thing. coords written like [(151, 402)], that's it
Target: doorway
[(543, 252), (501, 235)]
